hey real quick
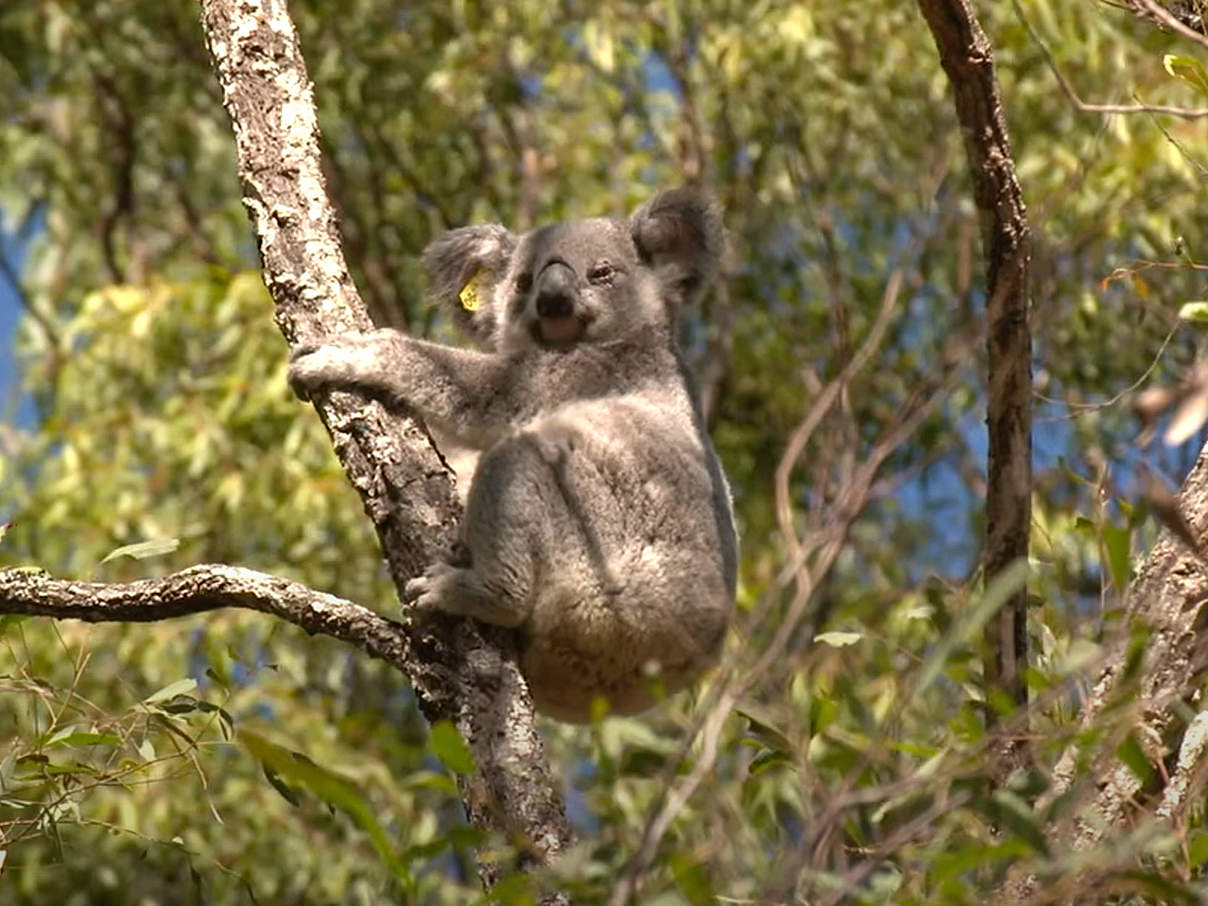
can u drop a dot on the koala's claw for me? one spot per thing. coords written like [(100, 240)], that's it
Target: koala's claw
[(299, 350), (414, 590), (313, 367), (430, 591), (301, 375)]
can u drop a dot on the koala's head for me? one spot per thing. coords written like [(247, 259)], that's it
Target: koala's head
[(583, 281)]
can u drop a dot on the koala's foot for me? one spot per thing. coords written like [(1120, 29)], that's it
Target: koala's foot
[(432, 590), (455, 590)]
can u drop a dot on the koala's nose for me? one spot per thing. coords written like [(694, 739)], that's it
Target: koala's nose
[(556, 291)]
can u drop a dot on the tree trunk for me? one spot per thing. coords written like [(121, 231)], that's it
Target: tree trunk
[(461, 671)]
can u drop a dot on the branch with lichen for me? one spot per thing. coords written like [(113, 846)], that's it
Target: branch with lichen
[(199, 589)]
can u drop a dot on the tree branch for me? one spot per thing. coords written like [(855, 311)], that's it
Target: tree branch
[(460, 671), (1156, 12), (1082, 106), (968, 59), (199, 589)]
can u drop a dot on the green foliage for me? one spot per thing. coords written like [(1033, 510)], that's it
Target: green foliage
[(841, 754), (450, 748)]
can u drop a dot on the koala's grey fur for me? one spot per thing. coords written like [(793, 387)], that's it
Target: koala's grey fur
[(598, 520)]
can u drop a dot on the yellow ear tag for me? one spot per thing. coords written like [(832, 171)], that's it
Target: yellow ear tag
[(470, 295)]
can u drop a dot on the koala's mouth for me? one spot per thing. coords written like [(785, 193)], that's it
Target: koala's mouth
[(560, 330)]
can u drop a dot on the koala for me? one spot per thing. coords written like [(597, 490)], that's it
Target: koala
[(597, 520)]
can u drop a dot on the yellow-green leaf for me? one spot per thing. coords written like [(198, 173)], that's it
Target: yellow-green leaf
[(1189, 69), (156, 547)]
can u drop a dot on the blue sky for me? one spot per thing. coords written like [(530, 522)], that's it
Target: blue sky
[(11, 406), (9, 314)]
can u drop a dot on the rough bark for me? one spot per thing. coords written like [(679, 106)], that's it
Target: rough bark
[(459, 670), (201, 588), (968, 60), (1167, 598)]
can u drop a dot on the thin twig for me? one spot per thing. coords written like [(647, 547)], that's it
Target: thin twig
[(822, 405)]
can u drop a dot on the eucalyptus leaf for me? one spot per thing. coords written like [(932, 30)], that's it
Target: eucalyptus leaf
[(144, 549)]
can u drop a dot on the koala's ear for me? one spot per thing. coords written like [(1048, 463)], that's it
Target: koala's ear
[(678, 234), (463, 267)]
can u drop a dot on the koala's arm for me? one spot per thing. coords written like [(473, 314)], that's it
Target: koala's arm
[(468, 395)]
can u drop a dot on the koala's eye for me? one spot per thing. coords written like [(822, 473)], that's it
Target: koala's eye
[(602, 272), (524, 282)]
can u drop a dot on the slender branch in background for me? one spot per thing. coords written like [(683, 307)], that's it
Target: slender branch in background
[(123, 145), (460, 671), (822, 404), (968, 59), (358, 237), (695, 165), (401, 167), (719, 353)]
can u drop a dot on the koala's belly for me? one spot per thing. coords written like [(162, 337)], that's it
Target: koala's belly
[(568, 678), (628, 647), (630, 592)]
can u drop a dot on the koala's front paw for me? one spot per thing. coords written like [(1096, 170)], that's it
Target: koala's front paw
[(314, 367), (434, 590)]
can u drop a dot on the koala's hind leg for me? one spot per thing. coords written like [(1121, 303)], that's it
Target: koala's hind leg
[(505, 521), (462, 591)]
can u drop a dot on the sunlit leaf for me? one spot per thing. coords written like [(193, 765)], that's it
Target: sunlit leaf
[(144, 549), (83, 739), (173, 689), (1195, 312), (838, 639), (1189, 69)]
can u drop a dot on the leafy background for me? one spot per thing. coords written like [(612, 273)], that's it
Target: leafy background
[(151, 763)]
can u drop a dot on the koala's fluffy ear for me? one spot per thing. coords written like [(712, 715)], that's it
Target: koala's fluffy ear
[(678, 234), (463, 268)]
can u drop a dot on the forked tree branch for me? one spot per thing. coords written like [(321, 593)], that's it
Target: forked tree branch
[(1183, 18), (1190, 113)]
